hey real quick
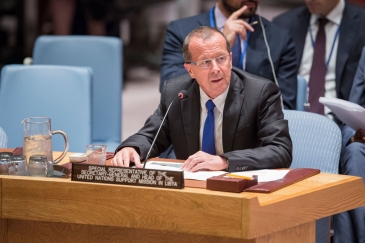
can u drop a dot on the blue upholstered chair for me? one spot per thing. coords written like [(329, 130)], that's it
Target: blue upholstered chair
[(104, 56), (302, 93), (61, 93), (3, 139), (316, 144)]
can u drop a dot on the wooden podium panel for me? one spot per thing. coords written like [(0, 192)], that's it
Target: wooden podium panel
[(59, 210), (35, 231)]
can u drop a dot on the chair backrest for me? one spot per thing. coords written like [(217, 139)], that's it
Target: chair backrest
[(316, 141), (104, 56), (302, 93), (3, 139), (61, 93)]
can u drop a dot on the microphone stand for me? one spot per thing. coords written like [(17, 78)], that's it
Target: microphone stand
[(181, 95)]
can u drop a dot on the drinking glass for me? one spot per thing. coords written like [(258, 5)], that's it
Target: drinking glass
[(38, 165), (50, 170), (96, 154), (4, 162), (18, 165)]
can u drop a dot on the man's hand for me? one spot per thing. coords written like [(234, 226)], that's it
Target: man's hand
[(234, 26), (204, 161), (359, 136), (125, 156)]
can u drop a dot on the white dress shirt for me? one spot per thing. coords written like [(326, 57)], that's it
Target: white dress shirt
[(331, 29), (218, 118)]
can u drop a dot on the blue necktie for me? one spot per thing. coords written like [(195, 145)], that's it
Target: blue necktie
[(236, 52), (208, 144)]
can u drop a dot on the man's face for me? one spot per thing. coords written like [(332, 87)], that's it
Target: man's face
[(215, 79), (233, 5), (321, 7)]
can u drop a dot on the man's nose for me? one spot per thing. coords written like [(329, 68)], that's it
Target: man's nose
[(214, 68)]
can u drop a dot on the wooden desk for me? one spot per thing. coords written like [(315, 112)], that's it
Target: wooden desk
[(59, 210)]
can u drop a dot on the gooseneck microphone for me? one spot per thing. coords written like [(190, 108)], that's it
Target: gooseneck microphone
[(182, 95)]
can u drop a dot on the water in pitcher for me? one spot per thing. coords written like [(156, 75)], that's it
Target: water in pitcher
[(38, 144)]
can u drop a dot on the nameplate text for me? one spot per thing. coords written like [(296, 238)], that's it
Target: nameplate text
[(127, 176)]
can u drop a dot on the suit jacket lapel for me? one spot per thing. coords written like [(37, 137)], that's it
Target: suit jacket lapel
[(232, 108), (300, 33), (190, 108), (348, 30)]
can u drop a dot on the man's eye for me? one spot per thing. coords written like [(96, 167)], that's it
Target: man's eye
[(205, 62)]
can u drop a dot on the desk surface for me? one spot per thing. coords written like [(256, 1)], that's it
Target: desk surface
[(190, 210)]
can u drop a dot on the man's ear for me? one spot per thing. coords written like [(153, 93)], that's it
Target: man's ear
[(188, 68)]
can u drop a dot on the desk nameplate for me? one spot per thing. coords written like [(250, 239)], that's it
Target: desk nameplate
[(127, 176)]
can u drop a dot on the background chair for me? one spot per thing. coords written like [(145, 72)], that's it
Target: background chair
[(104, 56), (61, 93), (302, 93), (3, 139), (316, 144)]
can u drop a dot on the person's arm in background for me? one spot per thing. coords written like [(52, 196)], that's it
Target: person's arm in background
[(172, 64), (357, 96)]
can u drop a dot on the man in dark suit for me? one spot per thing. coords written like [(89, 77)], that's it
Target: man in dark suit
[(244, 31), (349, 226), (249, 129), (344, 40)]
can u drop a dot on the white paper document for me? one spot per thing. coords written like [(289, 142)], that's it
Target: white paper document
[(160, 165), (199, 175), (348, 112), (202, 175), (264, 175)]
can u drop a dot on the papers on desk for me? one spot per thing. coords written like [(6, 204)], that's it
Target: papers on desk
[(264, 175), (200, 175), (159, 165), (348, 112)]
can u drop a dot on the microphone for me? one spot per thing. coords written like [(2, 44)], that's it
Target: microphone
[(182, 95)]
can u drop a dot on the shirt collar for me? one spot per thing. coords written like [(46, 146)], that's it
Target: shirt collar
[(334, 16), (220, 19), (218, 101)]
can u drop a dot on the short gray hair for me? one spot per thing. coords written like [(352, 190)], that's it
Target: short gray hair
[(203, 32)]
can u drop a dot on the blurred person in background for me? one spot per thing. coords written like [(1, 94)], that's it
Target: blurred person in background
[(329, 37), (238, 20), (63, 12), (350, 226), (328, 34)]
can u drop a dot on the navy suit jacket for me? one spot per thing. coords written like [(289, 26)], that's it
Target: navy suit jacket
[(257, 61), (357, 96), (255, 133), (350, 43)]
